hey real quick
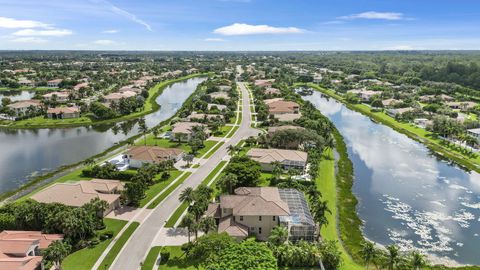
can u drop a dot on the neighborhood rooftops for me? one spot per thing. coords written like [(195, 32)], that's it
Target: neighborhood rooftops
[(24, 104), (61, 110), (255, 201), (277, 155), (185, 127)]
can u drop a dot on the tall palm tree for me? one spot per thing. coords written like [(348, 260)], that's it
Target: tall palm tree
[(56, 252), (227, 182), (417, 260), (278, 235), (393, 256), (320, 208), (188, 222), (187, 195), (208, 224), (367, 252), (155, 133)]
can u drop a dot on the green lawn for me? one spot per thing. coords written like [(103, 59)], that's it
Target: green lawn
[(223, 131), (265, 179), (84, 259), (108, 260), (327, 186), (177, 260), (153, 190), (179, 211), (176, 215), (151, 258), (169, 190), (235, 128), (213, 150)]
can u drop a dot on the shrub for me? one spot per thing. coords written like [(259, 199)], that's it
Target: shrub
[(106, 235), (164, 256)]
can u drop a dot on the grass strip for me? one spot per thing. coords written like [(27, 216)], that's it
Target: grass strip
[(108, 260), (84, 259), (151, 258), (169, 190), (214, 150), (153, 190)]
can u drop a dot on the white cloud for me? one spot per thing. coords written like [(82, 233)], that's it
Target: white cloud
[(29, 40), (401, 48), (43, 33), (111, 31), (214, 39), (104, 42), (373, 15), (237, 29), (14, 23), (123, 13)]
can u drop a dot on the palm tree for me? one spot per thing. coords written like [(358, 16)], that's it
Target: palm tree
[(320, 208), (187, 195), (227, 182), (56, 252), (89, 162), (393, 256), (417, 260), (276, 169), (155, 133), (367, 252), (278, 235), (142, 127), (188, 159), (208, 224), (188, 222)]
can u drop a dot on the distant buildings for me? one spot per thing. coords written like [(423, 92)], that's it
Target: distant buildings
[(54, 83)]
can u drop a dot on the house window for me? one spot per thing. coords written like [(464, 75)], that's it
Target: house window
[(259, 230), (273, 218), (241, 218), (252, 229), (259, 218)]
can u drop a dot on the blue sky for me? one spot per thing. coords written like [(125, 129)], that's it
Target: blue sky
[(239, 24)]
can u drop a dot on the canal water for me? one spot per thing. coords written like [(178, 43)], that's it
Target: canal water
[(407, 195), (16, 95), (28, 153)]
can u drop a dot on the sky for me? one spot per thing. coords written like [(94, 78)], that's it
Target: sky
[(240, 25)]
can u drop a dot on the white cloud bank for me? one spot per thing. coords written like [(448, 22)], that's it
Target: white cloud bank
[(12, 23), (239, 29), (373, 15), (43, 33), (104, 42)]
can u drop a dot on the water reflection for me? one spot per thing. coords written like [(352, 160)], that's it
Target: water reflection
[(407, 195), (27, 153)]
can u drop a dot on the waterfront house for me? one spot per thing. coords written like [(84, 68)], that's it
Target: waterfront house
[(26, 83), (272, 91), (255, 211), (264, 83), (399, 111), (218, 106), (221, 95), (63, 112), (20, 108), (183, 131), (288, 159), (54, 83), (139, 155), (82, 192), (280, 106), (272, 130), (117, 96), (58, 96)]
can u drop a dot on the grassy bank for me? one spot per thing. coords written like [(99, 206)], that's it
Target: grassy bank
[(108, 260), (149, 107), (151, 258), (448, 151), (84, 259)]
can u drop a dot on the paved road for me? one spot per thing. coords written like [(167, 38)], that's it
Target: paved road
[(139, 245)]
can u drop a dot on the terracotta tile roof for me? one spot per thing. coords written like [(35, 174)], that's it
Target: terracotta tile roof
[(153, 153), (185, 127), (58, 94), (45, 239), (281, 106), (255, 201), (24, 104), (285, 127), (213, 210), (280, 155), (232, 228), (24, 263), (60, 110), (76, 194)]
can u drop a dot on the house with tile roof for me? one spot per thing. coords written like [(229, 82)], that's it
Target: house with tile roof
[(21, 250), (257, 210), (82, 192), (139, 155), (288, 159), (183, 131)]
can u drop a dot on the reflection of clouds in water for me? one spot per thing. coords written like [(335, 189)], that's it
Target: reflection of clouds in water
[(427, 198), (326, 107)]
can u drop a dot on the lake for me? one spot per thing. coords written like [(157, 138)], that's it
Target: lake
[(28, 153), (16, 95), (407, 195)]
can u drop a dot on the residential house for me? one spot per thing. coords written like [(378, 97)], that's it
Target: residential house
[(63, 112), (422, 122), (82, 192), (285, 111), (183, 131), (115, 97), (139, 155), (27, 83), (399, 111), (202, 116), (272, 130), (317, 78), (54, 83), (475, 132), (255, 211), (21, 250), (222, 95), (80, 86), (58, 96), (218, 106), (264, 83), (224, 88), (288, 159), (390, 102), (272, 91), (22, 107), (462, 105)]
